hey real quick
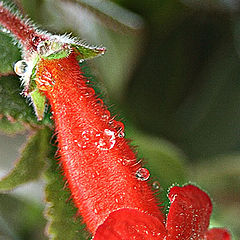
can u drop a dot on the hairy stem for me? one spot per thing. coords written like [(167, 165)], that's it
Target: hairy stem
[(21, 29)]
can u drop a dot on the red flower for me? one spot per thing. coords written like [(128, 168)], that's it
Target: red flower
[(188, 219)]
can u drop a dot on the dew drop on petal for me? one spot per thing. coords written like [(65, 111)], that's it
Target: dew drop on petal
[(20, 67), (112, 139), (142, 174)]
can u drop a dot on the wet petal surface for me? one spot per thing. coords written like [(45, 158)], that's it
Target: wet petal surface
[(189, 213)]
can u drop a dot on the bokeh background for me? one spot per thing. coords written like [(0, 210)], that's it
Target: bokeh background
[(172, 73)]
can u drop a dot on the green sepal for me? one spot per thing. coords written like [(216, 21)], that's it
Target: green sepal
[(31, 163), (59, 54), (63, 221), (86, 52), (39, 102)]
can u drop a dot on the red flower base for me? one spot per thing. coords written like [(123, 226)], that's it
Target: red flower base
[(188, 219)]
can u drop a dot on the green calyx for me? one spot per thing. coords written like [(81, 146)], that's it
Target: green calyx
[(57, 47), (59, 54), (87, 52)]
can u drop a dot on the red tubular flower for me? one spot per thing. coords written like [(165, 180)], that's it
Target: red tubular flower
[(99, 165), (188, 219)]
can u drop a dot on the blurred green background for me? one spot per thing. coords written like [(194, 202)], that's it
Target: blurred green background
[(172, 71)]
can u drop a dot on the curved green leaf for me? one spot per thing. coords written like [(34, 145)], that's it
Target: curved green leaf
[(31, 163)]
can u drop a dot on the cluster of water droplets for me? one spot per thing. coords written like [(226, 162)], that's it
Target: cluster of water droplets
[(106, 140)]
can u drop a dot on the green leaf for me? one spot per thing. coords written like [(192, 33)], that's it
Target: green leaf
[(31, 163), (9, 54), (63, 222), (59, 54)]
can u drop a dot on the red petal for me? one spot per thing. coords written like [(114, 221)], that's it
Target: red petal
[(217, 234), (189, 213), (129, 224)]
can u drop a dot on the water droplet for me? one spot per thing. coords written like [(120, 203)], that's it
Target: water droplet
[(86, 139), (20, 67), (156, 185), (142, 174), (107, 140)]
